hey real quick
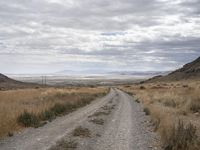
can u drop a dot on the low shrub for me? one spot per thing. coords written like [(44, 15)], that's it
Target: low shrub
[(169, 103), (182, 138), (129, 93), (142, 87), (195, 105), (47, 115), (28, 119), (147, 111), (137, 100), (58, 109)]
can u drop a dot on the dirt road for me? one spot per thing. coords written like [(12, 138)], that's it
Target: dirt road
[(123, 128)]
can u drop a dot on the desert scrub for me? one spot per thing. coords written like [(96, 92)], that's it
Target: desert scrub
[(169, 103), (47, 115), (142, 87), (33, 120), (38, 102), (182, 137), (28, 119), (58, 109), (194, 105)]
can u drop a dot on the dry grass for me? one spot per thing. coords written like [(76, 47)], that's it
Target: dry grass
[(168, 103), (15, 102)]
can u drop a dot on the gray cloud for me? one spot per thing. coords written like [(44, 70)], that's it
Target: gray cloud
[(122, 34)]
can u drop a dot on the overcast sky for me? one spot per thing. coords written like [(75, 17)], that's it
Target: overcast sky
[(43, 36)]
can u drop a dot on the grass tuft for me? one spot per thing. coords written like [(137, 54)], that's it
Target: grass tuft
[(195, 105), (47, 115), (170, 103), (65, 145), (81, 132), (58, 109), (182, 138), (28, 119), (137, 100)]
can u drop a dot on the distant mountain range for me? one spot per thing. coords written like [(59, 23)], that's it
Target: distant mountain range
[(140, 73), (187, 72), (99, 72)]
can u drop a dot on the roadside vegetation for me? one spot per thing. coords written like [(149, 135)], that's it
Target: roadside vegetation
[(34, 107), (81, 132), (175, 111)]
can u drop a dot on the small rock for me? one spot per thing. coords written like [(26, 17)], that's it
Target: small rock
[(196, 114)]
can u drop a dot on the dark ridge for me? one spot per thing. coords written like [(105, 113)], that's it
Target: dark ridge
[(7, 83), (189, 71)]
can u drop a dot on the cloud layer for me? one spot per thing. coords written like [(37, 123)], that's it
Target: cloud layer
[(49, 35)]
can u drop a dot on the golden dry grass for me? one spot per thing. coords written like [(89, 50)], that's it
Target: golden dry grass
[(168, 103), (15, 102)]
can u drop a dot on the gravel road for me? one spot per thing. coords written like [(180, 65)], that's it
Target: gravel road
[(126, 128)]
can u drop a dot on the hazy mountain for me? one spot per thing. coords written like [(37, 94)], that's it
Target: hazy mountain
[(100, 72)]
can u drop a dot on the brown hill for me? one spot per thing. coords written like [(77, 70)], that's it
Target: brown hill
[(187, 72), (8, 83)]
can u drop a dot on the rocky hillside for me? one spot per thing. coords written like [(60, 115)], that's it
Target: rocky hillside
[(188, 71), (4, 79), (7, 83)]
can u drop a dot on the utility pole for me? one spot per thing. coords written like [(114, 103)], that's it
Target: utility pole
[(44, 80)]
